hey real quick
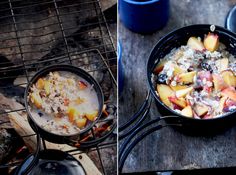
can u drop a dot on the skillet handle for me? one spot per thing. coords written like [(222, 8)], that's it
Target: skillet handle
[(127, 146), (36, 154), (133, 134), (126, 128), (125, 152)]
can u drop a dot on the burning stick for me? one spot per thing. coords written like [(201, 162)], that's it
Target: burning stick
[(97, 132), (104, 110)]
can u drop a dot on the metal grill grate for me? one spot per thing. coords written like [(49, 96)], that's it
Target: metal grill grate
[(34, 34)]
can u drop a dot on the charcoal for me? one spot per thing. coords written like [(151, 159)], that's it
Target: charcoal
[(5, 144)]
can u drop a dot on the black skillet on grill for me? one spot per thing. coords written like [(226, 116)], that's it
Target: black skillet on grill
[(190, 126), (57, 138), (53, 162)]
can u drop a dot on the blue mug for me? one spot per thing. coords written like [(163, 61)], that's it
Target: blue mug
[(120, 68), (144, 16)]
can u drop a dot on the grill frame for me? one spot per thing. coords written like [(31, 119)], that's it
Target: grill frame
[(25, 66)]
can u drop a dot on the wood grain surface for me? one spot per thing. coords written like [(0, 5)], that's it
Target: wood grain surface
[(168, 149)]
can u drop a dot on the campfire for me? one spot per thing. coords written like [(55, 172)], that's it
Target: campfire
[(35, 34)]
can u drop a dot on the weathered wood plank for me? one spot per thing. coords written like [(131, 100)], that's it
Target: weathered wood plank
[(169, 149), (107, 4)]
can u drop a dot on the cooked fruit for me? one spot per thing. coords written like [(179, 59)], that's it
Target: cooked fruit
[(211, 42), (200, 109), (177, 70), (92, 116), (218, 82), (82, 85), (229, 92), (73, 113), (207, 89), (47, 87), (78, 101), (187, 111), (164, 92), (206, 66), (181, 102), (40, 83), (70, 81), (161, 78), (159, 67), (195, 44), (36, 99), (183, 92), (222, 103), (229, 106), (186, 78), (178, 87), (229, 78), (222, 64), (81, 122), (207, 116)]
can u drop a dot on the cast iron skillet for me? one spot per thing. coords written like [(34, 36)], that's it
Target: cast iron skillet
[(51, 162), (174, 40), (186, 125), (56, 138)]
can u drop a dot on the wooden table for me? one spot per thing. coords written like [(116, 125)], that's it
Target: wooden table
[(168, 149)]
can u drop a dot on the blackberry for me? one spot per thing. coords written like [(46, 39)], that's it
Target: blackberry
[(206, 66), (161, 78)]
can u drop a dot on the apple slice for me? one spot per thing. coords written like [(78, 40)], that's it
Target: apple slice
[(222, 103), (195, 44), (178, 87), (187, 111), (200, 109), (82, 85), (92, 116), (211, 42), (222, 64), (229, 78), (181, 102), (183, 92), (40, 83), (186, 78), (47, 87), (73, 113), (165, 92), (159, 67), (229, 92), (36, 99), (177, 70), (81, 122), (218, 82)]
